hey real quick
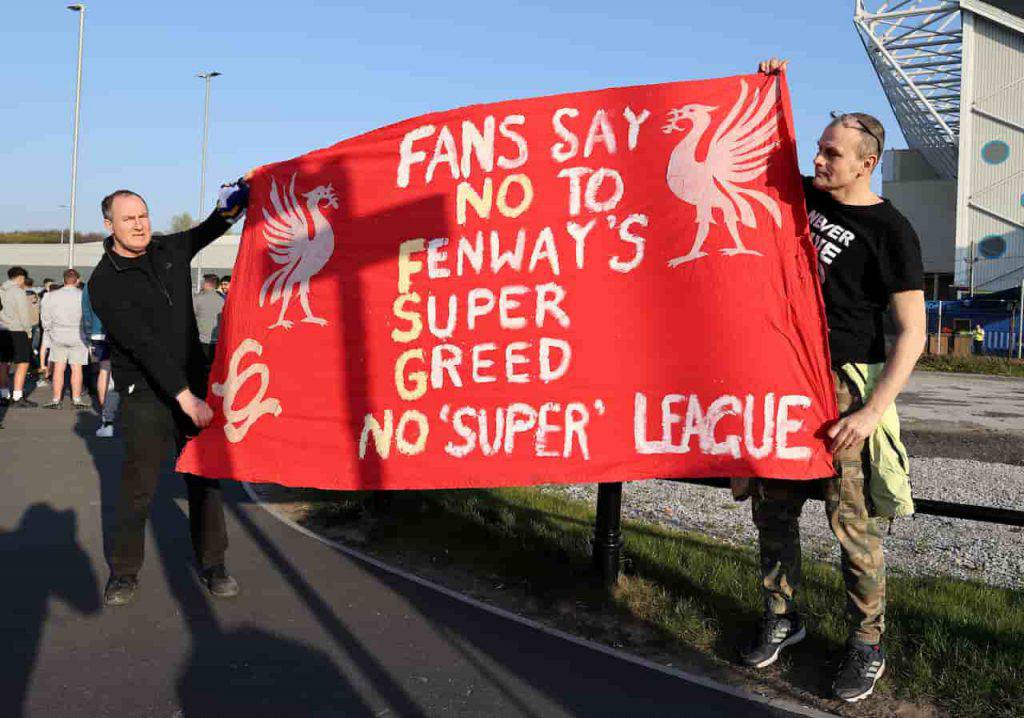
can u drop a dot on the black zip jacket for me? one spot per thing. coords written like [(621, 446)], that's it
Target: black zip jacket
[(145, 305)]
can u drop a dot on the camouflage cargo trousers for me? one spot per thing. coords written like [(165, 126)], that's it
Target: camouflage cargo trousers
[(776, 507)]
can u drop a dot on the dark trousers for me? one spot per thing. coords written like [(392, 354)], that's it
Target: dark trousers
[(151, 431), (208, 351)]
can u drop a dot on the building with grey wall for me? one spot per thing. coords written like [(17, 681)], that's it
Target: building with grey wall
[(953, 72), (929, 201), (990, 200), (49, 260)]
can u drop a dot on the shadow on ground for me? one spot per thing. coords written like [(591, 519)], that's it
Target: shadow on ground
[(40, 560), (245, 670)]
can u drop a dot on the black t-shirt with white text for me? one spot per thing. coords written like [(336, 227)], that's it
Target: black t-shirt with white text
[(865, 254)]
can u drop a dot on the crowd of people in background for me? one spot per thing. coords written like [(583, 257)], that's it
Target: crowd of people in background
[(50, 336)]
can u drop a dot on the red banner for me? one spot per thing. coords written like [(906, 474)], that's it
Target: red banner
[(600, 286)]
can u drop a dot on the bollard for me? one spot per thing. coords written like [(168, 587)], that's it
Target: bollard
[(607, 532)]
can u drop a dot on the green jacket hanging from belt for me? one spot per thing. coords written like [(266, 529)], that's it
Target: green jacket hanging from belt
[(889, 482)]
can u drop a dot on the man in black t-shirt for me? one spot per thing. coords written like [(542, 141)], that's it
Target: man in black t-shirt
[(869, 260)]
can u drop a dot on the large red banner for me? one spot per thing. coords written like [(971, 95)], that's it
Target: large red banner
[(599, 286)]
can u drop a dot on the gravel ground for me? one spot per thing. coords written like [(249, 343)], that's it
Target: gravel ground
[(922, 545)]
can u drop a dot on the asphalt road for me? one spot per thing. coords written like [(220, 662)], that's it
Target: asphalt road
[(314, 633), (964, 402)]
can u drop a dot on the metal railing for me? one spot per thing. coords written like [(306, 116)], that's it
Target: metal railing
[(607, 544)]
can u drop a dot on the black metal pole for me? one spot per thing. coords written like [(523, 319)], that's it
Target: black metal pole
[(969, 512), (924, 507), (607, 532), (608, 535)]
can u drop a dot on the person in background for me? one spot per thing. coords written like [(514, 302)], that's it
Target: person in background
[(15, 338), (62, 320), (208, 305), (978, 335), (869, 260), (37, 328), (43, 371), (224, 286), (106, 391)]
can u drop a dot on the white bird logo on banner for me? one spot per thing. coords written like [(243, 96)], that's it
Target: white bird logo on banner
[(302, 248), (738, 154)]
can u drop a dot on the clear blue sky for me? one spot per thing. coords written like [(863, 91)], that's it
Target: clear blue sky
[(300, 74)]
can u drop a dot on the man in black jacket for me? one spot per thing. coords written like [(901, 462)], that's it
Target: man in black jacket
[(142, 292)]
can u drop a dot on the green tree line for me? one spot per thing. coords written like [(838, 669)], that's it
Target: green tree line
[(46, 236), (179, 223)]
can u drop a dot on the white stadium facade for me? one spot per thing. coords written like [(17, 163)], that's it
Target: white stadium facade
[(953, 72)]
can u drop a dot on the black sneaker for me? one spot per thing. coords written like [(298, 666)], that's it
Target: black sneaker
[(774, 633), (218, 582), (862, 667), (55, 404), (24, 403), (120, 590)]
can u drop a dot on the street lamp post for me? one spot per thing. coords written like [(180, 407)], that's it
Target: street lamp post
[(207, 77), (62, 206), (80, 9)]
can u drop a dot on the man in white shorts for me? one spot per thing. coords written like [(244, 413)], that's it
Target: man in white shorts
[(62, 322)]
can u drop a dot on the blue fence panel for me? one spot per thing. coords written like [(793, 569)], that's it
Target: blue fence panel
[(998, 342)]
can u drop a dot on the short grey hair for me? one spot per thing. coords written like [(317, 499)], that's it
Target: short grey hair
[(107, 205)]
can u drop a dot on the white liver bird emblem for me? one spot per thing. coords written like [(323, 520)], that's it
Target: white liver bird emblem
[(738, 154), (302, 248)]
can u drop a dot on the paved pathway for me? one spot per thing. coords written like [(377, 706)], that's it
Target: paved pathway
[(313, 633), (993, 403)]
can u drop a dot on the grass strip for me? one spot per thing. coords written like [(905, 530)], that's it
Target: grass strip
[(996, 366), (955, 644)]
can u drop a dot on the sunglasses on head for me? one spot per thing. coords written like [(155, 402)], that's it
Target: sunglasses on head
[(844, 116)]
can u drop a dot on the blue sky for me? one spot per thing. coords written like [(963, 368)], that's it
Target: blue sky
[(300, 74)]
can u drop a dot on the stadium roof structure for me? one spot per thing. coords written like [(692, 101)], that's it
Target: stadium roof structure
[(915, 48)]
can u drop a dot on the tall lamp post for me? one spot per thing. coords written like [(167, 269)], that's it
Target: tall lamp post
[(80, 9), (206, 77), (62, 206)]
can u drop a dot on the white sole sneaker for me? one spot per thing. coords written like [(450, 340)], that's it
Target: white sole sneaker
[(795, 638), (869, 691)]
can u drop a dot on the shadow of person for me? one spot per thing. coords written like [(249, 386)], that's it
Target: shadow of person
[(106, 455), (252, 672), (244, 670), (39, 560)]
